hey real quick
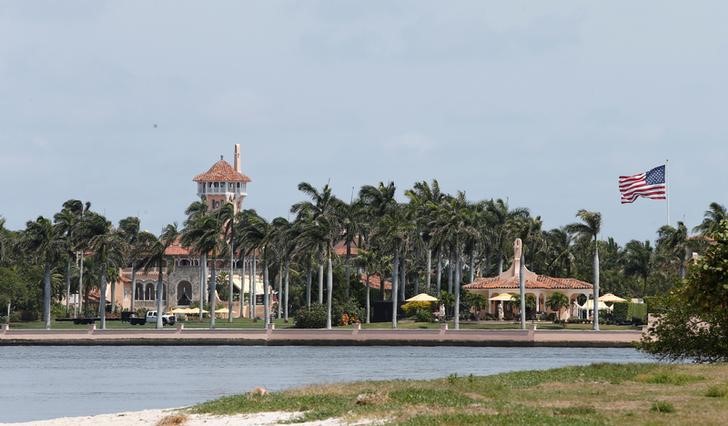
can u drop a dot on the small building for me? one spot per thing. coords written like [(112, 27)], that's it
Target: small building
[(539, 286)]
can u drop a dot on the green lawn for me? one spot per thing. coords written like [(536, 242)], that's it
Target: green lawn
[(600, 394), (115, 324)]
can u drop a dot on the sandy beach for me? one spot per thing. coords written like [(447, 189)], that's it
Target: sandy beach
[(153, 417)]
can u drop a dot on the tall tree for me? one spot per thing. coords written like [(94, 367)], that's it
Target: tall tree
[(196, 213), (68, 221), (673, 242), (109, 248), (638, 261), (258, 235), (712, 219), (45, 243), (588, 229)]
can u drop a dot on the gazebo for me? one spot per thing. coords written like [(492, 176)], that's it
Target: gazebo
[(540, 286)]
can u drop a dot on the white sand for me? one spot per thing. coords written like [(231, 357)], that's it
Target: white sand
[(151, 417)]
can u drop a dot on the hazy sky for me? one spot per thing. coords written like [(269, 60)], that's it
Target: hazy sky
[(545, 103)]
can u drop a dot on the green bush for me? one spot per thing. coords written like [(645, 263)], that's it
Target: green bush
[(654, 305), (424, 316), (313, 317), (411, 309), (637, 313), (619, 312), (345, 313)]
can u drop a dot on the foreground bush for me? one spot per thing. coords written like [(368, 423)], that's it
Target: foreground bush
[(313, 317)]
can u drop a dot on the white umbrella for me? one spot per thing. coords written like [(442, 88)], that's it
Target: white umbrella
[(611, 298), (503, 297)]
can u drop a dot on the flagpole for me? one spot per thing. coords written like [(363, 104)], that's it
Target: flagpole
[(667, 195)]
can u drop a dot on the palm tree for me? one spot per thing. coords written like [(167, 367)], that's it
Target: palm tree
[(637, 258), (196, 212), (674, 241), (588, 229), (715, 214), (208, 240), (156, 257), (424, 198), (324, 210), (45, 243), (258, 235), (503, 220), (109, 248), (68, 221), (226, 215), (556, 302), (455, 223)]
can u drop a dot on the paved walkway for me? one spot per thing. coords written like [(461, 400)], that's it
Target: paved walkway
[(336, 337)]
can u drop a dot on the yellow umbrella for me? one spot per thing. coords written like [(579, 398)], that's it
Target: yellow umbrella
[(503, 297), (422, 297), (180, 311), (196, 311), (610, 298), (221, 311)]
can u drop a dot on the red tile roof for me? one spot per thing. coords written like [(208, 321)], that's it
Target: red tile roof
[(176, 249), (221, 171), (375, 282), (541, 282), (340, 249)]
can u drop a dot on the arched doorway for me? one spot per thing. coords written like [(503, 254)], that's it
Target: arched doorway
[(184, 293)]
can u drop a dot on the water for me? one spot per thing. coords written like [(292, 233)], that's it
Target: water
[(39, 382)]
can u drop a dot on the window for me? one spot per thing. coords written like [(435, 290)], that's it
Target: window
[(149, 292), (139, 292)]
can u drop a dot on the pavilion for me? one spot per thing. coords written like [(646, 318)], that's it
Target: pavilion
[(540, 286)]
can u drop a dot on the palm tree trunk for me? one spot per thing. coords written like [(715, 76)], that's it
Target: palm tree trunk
[(266, 307), (428, 277), (368, 300), (329, 290), (472, 266), (79, 304), (683, 263), (500, 263), (133, 286), (253, 288), (242, 287), (213, 299), (417, 284), (395, 282), (47, 296), (279, 281), (458, 270), (113, 293), (596, 287), (450, 271), (321, 283), (439, 272), (68, 285), (285, 294), (160, 290), (102, 296), (230, 289), (403, 281), (347, 271), (203, 281), (308, 287)]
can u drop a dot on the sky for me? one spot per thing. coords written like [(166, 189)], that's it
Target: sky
[(545, 104)]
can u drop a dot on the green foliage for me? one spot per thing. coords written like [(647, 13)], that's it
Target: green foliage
[(655, 304), (313, 317), (619, 312), (717, 391), (668, 378), (695, 323), (637, 313), (410, 309), (424, 315), (345, 313), (557, 301)]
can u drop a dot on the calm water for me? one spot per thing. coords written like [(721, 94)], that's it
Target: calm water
[(46, 382)]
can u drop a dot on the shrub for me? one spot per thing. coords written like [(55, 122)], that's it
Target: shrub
[(345, 313), (716, 392), (424, 316), (619, 312), (313, 317), (410, 309), (662, 407), (637, 313), (655, 304)]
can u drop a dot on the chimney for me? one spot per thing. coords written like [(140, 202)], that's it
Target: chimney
[(237, 157)]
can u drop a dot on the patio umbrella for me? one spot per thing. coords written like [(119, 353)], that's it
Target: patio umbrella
[(589, 305), (180, 311), (503, 297), (196, 311), (610, 298), (422, 297)]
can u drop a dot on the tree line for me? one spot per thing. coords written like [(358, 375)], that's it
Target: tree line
[(433, 242)]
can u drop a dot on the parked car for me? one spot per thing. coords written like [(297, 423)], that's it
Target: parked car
[(167, 319)]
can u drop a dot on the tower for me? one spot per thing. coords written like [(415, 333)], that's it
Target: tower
[(223, 183)]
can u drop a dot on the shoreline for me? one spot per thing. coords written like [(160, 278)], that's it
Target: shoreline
[(318, 337)]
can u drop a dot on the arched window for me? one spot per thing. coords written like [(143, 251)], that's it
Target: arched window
[(184, 293), (139, 292), (149, 292), (164, 291)]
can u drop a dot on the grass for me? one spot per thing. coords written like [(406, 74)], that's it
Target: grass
[(600, 394), (492, 325), (116, 324)]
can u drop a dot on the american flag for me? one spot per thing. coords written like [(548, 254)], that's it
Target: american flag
[(650, 184)]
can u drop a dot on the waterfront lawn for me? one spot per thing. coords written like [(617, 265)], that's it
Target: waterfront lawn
[(600, 394), (493, 325), (116, 324)]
